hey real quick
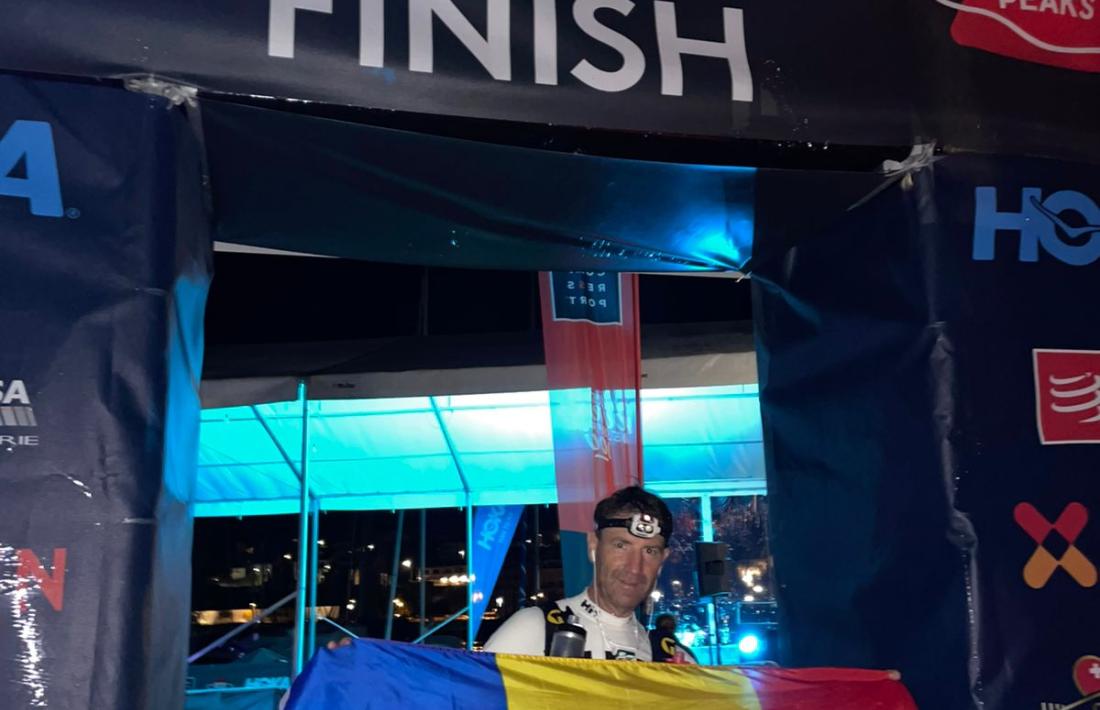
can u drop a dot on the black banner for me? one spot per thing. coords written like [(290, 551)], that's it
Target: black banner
[(103, 263), (303, 183), (930, 387), (976, 74)]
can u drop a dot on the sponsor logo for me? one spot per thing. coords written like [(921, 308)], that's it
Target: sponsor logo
[(16, 416), (1061, 33), (1064, 531), (491, 529), (28, 168), (1065, 224), (1086, 676), (494, 52), (31, 574), (588, 297), (610, 424), (1067, 395)]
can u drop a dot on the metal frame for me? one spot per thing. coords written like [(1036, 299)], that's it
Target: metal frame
[(706, 525), (469, 520), (395, 570), (217, 643), (298, 660), (309, 507)]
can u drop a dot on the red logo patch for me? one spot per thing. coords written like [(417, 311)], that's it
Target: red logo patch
[(1060, 33), (1067, 396), (1086, 674)]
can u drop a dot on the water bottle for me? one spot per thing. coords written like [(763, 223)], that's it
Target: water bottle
[(569, 639)]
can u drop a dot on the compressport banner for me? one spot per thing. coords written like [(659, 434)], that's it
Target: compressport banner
[(590, 332), (1019, 76), (930, 388), (104, 276)]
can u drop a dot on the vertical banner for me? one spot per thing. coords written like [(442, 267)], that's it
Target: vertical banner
[(591, 337), (104, 273), (494, 526), (930, 391)]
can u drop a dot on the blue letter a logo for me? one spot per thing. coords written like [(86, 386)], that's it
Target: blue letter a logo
[(31, 141)]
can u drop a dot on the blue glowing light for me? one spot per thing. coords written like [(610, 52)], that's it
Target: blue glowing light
[(381, 454), (749, 644)]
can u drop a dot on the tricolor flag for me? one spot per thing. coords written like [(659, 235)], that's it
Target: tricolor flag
[(381, 674)]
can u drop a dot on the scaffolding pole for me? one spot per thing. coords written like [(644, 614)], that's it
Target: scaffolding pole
[(395, 571), (423, 565), (303, 541), (315, 550)]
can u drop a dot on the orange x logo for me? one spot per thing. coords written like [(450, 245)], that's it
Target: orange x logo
[(1042, 565)]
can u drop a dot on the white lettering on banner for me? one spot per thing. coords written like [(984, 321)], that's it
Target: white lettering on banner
[(546, 42), (584, 13), (281, 23), (494, 49), (491, 529), (372, 36), (14, 393), (1078, 9), (673, 47), (13, 441)]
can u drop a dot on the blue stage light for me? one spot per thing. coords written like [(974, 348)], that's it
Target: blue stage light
[(748, 644)]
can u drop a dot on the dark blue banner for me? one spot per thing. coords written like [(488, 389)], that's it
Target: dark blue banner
[(930, 387), (103, 264), (1007, 76), (494, 526)]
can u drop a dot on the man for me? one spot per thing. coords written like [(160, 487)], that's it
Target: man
[(627, 548), (666, 647)]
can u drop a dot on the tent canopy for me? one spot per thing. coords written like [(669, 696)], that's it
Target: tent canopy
[(417, 452)]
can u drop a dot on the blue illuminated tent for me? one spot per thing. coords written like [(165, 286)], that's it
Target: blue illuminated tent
[(442, 437)]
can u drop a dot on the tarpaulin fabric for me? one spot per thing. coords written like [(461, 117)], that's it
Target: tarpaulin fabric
[(336, 188), (379, 674), (929, 400), (590, 331), (104, 266), (976, 74)]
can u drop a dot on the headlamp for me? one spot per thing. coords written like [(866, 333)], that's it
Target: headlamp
[(640, 525)]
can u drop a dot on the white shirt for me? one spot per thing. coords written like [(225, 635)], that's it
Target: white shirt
[(606, 635)]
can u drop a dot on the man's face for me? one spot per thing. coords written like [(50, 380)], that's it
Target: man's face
[(626, 568)]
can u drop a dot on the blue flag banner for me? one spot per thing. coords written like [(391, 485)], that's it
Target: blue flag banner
[(494, 526)]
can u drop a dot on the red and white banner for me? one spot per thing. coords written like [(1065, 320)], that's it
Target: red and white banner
[(593, 364), (1061, 33)]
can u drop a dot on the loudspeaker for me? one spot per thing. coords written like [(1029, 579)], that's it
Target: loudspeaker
[(713, 568)]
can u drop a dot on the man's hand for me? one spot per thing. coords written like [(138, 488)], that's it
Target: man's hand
[(342, 643)]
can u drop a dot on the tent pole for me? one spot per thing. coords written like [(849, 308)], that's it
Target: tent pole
[(394, 572), (470, 571), (706, 526), (469, 520), (423, 564), (311, 648), (303, 542)]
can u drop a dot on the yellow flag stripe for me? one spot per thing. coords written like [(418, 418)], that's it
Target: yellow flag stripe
[(532, 683)]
